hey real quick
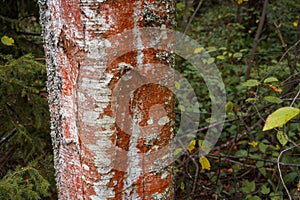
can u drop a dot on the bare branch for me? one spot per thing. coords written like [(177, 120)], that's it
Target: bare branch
[(295, 98), (192, 17), (4, 139), (255, 41), (279, 170)]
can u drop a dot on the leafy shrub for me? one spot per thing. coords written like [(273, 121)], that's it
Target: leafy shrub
[(247, 162)]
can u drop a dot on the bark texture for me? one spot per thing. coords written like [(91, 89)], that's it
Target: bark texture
[(108, 137)]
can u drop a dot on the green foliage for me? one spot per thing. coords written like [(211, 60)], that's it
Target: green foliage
[(19, 21), (248, 186), (282, 138), (251, 83), (26, 164), (25, 154), (24, 135), (23, 183), (244, 162), (22, 84)]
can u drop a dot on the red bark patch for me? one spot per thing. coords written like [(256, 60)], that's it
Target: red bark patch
[(120, 12)]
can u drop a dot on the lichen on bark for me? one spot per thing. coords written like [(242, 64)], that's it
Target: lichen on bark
[(98, 154)]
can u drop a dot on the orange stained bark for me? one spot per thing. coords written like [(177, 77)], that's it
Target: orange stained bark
[(108, 145)]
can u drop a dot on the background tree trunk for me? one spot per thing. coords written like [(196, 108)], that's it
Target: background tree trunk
[(249, 12), (101, 146)]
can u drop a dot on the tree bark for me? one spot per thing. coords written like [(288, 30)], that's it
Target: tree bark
[(109, 124)]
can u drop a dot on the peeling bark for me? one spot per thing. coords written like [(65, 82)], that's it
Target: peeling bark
[(108, 145)]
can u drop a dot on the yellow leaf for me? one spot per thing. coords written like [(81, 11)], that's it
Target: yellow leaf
[(229, 107), (8, 41), (182, 185), (198, 50), (282, 138), (204, 163), (220, 57), (181, 107), (253, 143), (177, 151), (295, 23), (191, 146), (177, 85), (280, 117), (239, 1)]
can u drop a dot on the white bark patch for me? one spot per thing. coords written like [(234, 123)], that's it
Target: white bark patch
[(138, 38), (96, 48), (150, 121), (81, 97), (93, 20), (96, 1), (164, 34), (162, 121), (151, 137), (160, 196), (86, 167), (102, 191), (134, 169), (94, 89), (164, 175)]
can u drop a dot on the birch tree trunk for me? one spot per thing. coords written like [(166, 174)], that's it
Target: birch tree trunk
[(109, 123)]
